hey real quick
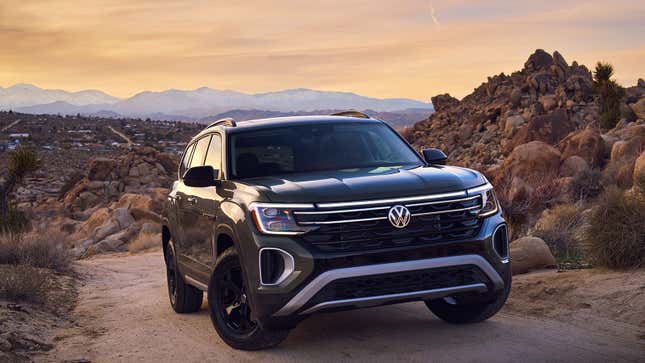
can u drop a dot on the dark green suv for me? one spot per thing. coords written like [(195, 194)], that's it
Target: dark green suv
[(277, 219)]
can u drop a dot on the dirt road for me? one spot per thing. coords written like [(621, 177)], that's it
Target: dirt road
[(121, 135), (123, 315)]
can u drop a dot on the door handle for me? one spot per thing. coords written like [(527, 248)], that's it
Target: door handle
[(191, 200)]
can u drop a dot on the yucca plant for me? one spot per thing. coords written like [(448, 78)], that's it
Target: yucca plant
[(21, 162), (610, 95)]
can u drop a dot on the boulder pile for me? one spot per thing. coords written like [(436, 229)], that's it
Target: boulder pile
[(139, 171), (536, 135), (116, 200)]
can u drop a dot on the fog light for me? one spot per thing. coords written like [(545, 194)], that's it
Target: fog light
[(275, 266)]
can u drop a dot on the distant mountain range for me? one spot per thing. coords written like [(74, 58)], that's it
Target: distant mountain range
[(199, 104)]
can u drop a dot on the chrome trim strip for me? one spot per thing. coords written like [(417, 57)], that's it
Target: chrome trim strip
[(344, 221), (504, 259), (390, 201), (376, 300), (480, 189), (341, 210), (446, 211), (443, 201), (192, 281), (289, 265), (382, 218), (326, 277), (282, 205)]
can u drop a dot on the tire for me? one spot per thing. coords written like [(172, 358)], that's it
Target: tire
[(462, 311), (183, 297), (230, 311)]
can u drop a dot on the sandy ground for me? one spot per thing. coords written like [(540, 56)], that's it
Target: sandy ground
[(123, 315)]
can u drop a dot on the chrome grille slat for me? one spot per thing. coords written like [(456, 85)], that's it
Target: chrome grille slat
[(367, 228)]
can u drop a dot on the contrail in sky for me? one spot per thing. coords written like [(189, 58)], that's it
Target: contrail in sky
[(433, 14)]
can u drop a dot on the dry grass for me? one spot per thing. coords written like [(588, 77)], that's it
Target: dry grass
[(145, 241), (22, 283), (44, 249), (587, 184), (616, 232), (559, 228)]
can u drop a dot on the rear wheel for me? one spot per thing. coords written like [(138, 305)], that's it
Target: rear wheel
[(468, 309), (183, 297), (230, 309)]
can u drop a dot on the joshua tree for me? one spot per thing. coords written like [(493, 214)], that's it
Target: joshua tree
[(21, 162), (610, 94)]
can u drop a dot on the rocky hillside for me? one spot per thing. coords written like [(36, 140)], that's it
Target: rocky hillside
[(536, 135)]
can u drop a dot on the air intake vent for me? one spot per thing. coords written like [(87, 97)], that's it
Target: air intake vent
[(275, 266), (500, 241)]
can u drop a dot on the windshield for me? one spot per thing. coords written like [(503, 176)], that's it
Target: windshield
[(317, 147)]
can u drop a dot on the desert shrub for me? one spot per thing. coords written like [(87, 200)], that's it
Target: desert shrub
[(14, 221), (587, 184), (610, 95), (615, 235), (558, 228), (45, 249), (145, 241), (22, 283)]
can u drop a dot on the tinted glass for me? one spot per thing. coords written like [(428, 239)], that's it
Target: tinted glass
[(200, 152), (214, 155), (185, 161), (317, 147)]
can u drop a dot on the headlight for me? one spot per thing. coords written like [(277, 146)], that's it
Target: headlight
[(489, 201), (278, 218)]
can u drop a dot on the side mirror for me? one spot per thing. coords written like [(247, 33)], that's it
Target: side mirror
[(201, 176), (434, 156)]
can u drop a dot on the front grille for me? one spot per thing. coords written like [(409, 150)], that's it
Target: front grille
[(399, 282), (362, 229)]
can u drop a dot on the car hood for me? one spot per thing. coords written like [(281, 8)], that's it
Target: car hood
[(363, 184)]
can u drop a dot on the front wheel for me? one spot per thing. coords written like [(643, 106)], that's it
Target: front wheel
[(230, 309), (183, 297), (462, 310)]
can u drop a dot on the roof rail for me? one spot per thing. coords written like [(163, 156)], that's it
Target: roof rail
[(228, 121), (351, 113)]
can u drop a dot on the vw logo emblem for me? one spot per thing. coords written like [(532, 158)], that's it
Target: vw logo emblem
[(399, 216)]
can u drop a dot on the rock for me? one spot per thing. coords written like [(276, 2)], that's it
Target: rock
[(574, 165), (548, 102), (96, 219), (550, 128), (641, 83), (530, 253), (639, 108), (538, 60), (145, 214), (639, 172), (100, 168), (131, 200), (623, 150), (108, 228), (587, 144), (151, 228), (123, 217), (512, 123), (515, 97), (443, 101), (533, 159), (87, 199)]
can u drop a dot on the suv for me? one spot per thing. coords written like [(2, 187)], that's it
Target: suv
[(276, 219)]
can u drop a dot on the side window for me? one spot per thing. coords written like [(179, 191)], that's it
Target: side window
[(185, 161), (214, 155), (200, 151)]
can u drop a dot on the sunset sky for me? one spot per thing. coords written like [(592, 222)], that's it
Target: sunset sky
[(378, 48)]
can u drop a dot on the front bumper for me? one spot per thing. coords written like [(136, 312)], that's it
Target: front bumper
[(318, 277)]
